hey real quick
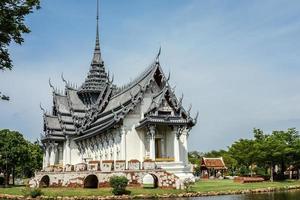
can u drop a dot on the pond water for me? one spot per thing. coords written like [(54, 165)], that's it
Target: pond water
[(289, 195)]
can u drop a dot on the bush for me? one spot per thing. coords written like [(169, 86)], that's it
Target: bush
[(187, 183), (119, 184), (32, 192), (244, 171)]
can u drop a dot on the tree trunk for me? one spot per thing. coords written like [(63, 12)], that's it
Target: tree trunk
[(6, 179), (13, 175), (272, 172)]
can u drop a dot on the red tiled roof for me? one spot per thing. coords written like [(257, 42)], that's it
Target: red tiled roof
[(216, 163)]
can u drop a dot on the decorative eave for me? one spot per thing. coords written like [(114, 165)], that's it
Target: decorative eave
[(163, 120)]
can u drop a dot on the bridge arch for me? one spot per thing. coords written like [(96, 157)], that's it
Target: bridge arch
[(91, 181), (45, 181), (150, 180)]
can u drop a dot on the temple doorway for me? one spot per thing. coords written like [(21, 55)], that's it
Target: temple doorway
[(158, 148)]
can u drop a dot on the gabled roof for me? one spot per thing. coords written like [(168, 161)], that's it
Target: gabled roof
[(213, 163), (74, 101), (52, 122)]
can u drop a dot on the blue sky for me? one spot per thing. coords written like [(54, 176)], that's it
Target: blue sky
[(237, 62)]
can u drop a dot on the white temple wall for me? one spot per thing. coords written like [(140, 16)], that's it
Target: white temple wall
[(133, 144), (143, 142), (133, 139), (74, 153), (145, 104)]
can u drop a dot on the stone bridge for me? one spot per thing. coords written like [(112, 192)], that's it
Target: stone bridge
[(97, 179)]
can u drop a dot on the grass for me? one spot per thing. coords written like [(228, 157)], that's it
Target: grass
[(201, 186), (229, 185)]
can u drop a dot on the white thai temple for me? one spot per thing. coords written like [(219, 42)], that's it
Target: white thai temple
[(102, 122)]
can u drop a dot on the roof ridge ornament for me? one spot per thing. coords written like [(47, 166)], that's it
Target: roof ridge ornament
[(44, 111), (63, 79), (169, 75), (196, 117), (158, 54), (50, 84)]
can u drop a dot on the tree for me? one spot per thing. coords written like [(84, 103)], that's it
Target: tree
[(34, 162), (243, 151), (12, 26), (18, 154), (195, 157)]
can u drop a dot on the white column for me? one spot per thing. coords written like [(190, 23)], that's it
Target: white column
[(184, 145), (67, 151), (123, 144), (60, 154), (114, 140), (52, 154), (44, 159), (48, 155), (151, 135), (176, 145), (142, 146)]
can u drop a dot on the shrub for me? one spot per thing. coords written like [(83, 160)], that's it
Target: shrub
[(32, 192), (244, 171), (119, 184), (187, 183)]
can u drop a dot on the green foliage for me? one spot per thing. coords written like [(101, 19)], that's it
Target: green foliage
[(187, 183), (195, 157), (260, 155), (18, 156), (244, 171), (119, 184), (12, 26), (32, 192)]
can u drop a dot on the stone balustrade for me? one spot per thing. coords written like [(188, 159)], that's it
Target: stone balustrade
[(104, 166)]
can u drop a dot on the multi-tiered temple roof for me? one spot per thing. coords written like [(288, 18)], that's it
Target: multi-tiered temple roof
[(98, 105)]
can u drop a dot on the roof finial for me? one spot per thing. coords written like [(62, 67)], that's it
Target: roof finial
[(158, 54), (97, 11), (97, 54)]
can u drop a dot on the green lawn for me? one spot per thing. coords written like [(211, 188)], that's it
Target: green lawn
[(229, 185), (201, 186)]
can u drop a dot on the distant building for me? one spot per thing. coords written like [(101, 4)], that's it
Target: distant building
[(212, 167), (100, 122)]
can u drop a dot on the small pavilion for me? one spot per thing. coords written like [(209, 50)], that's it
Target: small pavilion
[(212, 167)]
